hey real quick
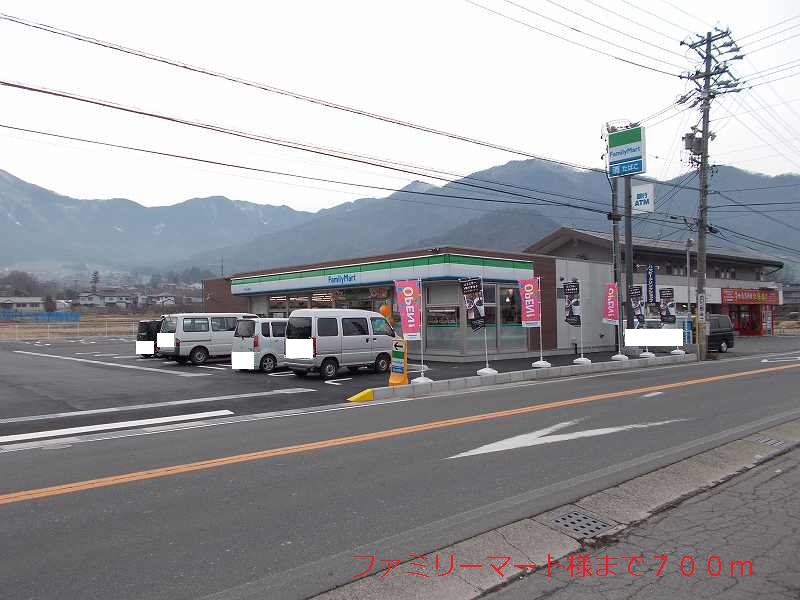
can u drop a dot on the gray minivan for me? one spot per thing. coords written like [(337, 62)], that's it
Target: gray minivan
[(338, 337), (199, 336)]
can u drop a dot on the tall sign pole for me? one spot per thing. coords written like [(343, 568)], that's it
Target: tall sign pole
[(628, 254)]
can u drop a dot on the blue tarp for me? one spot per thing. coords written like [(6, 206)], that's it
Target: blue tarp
[(59, 316)]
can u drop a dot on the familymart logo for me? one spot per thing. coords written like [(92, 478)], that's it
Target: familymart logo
[(340, 279)]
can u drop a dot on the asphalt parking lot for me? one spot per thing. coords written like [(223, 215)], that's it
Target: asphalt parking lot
[(60, 388)]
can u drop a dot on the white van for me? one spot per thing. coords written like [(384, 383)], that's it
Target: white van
[(200, 336), (265, 338), (337, 337)]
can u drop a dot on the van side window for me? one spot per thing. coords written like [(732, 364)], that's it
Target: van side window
[(724, 322), (265, 329), (327, 327), (279, 330), (354, 326), (381, 327), (195, 324), (223, 324)]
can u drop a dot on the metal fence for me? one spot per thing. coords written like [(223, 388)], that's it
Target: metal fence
[(56, 330)]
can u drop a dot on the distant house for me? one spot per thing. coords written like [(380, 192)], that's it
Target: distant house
[(24, 303), (105, 299)]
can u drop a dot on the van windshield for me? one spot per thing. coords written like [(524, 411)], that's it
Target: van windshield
[(169, 325), (245, 328), (299, 328)]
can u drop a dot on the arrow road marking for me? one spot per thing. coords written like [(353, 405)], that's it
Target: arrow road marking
[(334, 381), (542, 436), (788, 358)]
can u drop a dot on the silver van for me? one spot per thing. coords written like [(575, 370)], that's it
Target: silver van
[(337, 337), (265, 338), (200, 336)]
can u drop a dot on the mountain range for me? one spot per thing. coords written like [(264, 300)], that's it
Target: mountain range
[(43, 231)]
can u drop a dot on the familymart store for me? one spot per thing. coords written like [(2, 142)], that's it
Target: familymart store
[(367, 283)]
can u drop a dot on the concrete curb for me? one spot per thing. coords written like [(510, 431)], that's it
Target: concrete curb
[(533, 540), (414, 390)]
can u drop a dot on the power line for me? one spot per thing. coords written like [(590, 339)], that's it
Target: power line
[(791, 37), (754, 189), (579, 44), (688, 14), (627, 34), (652, 14), (766, 37), (778, 24), (761, 214), (596, 37), (543, 201), (295, 95)]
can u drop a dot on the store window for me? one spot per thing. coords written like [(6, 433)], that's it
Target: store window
[(277, 307), (321, 300), (443, 328), (512, 336), (475, 341), (296, 302), (442, 294)]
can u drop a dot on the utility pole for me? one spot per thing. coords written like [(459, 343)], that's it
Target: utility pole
[(703, 205), (628, 253), (712, 85)]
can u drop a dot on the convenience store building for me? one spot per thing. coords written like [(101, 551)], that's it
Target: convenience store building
[(367, 283)]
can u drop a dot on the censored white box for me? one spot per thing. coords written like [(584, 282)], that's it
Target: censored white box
[(299, 348), (145, 347), (654, 337), (243, 360), (165, 340)]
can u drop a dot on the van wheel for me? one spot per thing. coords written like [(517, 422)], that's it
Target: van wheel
[(723, 346), (267, 364), (299, 373), (329, 368), (382, 363), (198, 355)]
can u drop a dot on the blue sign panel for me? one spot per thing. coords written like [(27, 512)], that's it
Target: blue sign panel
[(632, 167)]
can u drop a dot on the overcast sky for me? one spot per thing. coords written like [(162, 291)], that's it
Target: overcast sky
[(447, 64)]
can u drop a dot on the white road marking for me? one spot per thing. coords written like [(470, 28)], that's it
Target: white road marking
[(37, 435), (108, 354), (651, 394), (84, 353), (210, 367), (336, 381), (542, 436), (282, 374), (788, 358), (100, 411), (110, 364), (132, 356)]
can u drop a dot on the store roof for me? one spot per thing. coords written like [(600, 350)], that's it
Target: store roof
[(558, 237)]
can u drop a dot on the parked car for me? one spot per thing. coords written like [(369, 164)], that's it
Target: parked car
[(265, 338), (147, 332), (200, 336), (720, 333), (339, 338)]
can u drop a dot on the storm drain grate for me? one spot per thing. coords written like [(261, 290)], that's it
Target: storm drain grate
[(581, 524), (770, 442)]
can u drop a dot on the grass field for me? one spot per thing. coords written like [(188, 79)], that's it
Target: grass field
[(89, 325)]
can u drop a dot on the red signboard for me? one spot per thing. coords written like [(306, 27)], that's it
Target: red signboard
[(749, 296)]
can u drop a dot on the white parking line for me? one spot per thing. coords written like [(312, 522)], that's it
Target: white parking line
[(132, 356), (109, 354), (100, 411), (37, 435), (110, 364), (651, 394), (210, 367)]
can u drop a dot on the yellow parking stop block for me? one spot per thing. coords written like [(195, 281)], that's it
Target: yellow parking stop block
[(364, 396)]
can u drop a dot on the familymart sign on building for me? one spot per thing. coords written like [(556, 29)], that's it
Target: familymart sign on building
[(626, 152)]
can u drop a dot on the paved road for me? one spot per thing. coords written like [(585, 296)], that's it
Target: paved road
[(285, 503), (737, 542)]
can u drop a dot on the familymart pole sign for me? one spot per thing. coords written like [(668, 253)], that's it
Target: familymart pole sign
[(626, 152)]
